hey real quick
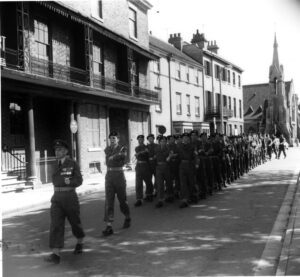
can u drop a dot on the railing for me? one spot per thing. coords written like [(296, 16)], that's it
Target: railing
[(215, 111), (60, 72), (14, 162)]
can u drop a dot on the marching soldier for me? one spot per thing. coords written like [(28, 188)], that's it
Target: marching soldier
[(163, 179), (142, 172), (64, 203), (152, 162), (115, 183)]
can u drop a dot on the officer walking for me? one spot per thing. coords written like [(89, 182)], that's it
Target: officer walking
[(152, 162), (64, 203), (115, 183), (142, 172)]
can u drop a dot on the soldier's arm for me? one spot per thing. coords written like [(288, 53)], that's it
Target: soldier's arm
[(76, 178)]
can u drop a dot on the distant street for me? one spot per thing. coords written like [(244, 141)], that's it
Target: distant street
[(225, 234)]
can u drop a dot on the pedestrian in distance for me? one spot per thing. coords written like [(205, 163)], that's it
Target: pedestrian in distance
[(115, 183), (281, 146), (64, 202)]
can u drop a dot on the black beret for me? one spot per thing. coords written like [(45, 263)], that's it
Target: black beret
[(140, 136), (185, 134), (150, 136), (113, 134), (60, 143)]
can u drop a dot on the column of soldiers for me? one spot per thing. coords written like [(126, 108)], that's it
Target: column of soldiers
[(193, 166)]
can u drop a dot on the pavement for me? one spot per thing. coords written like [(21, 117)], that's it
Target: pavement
[(282, 247)]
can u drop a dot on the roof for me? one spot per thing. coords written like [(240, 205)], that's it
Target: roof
[(170, 49), (288, 86), (256, 85)]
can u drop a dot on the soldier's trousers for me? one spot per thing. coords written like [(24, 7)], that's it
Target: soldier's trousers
[(64, 205), (115, 184), (210, 174), (152, 164), (174, 175), (217, 170), (143, 174), (281, 149), (202, 177), (163, 181), (186, 175)]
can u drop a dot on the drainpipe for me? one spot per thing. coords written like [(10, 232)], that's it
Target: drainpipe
[(169, 56)]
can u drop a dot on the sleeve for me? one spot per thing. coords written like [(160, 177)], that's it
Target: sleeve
[(76, 179)]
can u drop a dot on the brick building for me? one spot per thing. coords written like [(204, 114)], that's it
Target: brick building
[(82, 62), (179, 82), (272, 107), (221, 77)]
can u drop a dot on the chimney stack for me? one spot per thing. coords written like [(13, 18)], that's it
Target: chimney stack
[(176, 41), (213, 47), (199, 40)]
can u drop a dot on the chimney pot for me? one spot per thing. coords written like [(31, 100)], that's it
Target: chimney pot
[(197, 31), (215, 42), (179, 35)]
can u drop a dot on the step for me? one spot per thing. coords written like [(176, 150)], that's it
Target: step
[(9, 179), (16, 186)]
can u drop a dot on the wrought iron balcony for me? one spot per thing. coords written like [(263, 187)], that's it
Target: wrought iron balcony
[(46, 68), (215, 111)]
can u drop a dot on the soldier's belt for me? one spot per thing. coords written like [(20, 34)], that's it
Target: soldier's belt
[(115, 169), (142, 162), (61, 189)]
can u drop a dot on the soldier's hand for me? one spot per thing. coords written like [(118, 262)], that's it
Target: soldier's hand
[(67, 181)]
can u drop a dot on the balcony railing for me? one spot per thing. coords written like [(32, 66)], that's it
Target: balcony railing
[(46, 68), (215, 111)]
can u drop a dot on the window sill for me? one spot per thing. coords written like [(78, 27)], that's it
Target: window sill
[(179, 113), (158, 111), (97, 18), (133, 38), (94, 149), (158, 88)]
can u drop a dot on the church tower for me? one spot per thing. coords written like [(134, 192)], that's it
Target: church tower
[(277, 117)]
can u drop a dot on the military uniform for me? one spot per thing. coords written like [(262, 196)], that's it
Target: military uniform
[(115, 183), (142, 173), (64, 202), (152, 162), (174, 168)]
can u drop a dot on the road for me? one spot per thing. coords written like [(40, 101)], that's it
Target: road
[(225, 234)]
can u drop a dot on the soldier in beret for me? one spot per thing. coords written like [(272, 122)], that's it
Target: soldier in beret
[(142, 172), (152, 162), (115, 183), (64, 202)]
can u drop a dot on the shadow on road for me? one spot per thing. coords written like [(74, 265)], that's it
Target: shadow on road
[(222, 235)]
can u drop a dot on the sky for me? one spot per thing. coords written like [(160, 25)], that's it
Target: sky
[(243, 29)]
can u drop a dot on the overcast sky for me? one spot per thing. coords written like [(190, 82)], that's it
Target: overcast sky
[(243, 29)]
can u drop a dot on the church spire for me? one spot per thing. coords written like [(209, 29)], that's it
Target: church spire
[(276, 71)]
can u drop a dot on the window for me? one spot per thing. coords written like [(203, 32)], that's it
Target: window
[(228, 76), (156, 70), (156, 66), (241, 129), (223, 74), (196, 73), (97, 60), (178, 73), (225, 101), (97, 9), (132, 23), (217, 71), (239, 81), (197, 106), (229, 102), (134, 72), (234, 107), (233, 78), (188, 104), (208, 98), (207, 68), (218, 100), (182, 71), (41, 37), (240, 108), (92, 126), (178, 103), (230, 129), (235, 130), (158, 107), (187, 74)]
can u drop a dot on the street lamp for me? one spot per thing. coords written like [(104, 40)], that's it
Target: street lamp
[(222, 69)]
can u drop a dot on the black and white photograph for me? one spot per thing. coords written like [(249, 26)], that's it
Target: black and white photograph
[(150, 138)]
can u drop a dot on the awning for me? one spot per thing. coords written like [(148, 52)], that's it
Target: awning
[(62, 9)]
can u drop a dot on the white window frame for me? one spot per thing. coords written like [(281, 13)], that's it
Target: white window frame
[(95, 10)]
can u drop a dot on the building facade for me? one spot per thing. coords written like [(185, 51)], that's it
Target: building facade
[(179, 81), (81, 64), (272, 107), (221, 77)]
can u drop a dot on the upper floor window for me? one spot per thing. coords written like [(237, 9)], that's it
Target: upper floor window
[(97, 9), (240, 108), (239, 81), (196, 72), (229, 102), (188, 104), (41, 36), (178, 103), (207, 68), (158, 107), (234, 107), (97, 60), (187, 73), (132, 23), (223, 74), (197, 106), (182, 71), (217, 71), (178, 73), (156, 66), (233, 78), (228, 76), (134, 73)]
